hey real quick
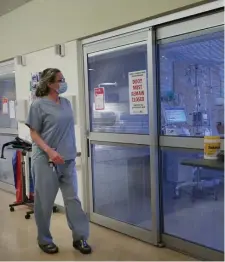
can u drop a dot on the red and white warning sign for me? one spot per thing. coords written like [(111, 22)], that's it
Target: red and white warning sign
[(99, 98), (5, 105), (138, 93)]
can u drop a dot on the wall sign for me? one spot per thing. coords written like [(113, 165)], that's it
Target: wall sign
[(12, 111), (35, 77), (5, 105), (138, 93), (99, 98)]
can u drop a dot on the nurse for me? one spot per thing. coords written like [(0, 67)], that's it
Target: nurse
[(53, 161)]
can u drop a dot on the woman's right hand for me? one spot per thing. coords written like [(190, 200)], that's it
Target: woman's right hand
[(55, 157)]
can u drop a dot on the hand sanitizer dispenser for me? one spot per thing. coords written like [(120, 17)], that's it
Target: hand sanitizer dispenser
[(22, 111)]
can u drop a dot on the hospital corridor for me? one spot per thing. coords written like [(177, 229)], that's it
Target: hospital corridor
[(112, 130), (18, 243)]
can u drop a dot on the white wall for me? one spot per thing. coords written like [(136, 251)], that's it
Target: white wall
[(38, 61), (43, 23)]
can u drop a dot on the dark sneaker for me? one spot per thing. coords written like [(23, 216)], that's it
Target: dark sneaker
[(82, 246), (49, 248)]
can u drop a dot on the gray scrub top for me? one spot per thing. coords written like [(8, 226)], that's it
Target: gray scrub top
[(55, 124)]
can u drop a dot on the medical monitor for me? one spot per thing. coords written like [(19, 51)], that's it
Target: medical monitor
[(175, 115)]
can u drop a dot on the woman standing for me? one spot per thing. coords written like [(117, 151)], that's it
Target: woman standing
[(53, 161)]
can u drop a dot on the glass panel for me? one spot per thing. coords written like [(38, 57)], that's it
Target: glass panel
[(6, 168), (121, 183), (192, 86), (193, 200), (7, 94), (110, 71)]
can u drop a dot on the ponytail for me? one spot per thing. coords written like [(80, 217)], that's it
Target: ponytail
[(47, 76)]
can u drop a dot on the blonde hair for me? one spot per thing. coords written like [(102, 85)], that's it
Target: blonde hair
[(47, 76)]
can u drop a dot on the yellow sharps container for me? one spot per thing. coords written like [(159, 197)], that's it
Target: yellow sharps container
[(211, 147)]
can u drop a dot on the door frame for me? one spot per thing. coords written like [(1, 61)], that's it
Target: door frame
[(4, 185), (176, 31), (203, 9), (172, 242), (8, 67), (109, 45)]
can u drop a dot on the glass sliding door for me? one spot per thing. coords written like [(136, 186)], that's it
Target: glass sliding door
[(191, 95), (191, 215), (118, 135), (8, 123), (121, 183)]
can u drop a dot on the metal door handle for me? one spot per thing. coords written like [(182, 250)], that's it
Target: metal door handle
[(88, 148)]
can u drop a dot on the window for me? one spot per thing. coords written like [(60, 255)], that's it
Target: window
[(7, 96), (193, 199), (6, 167), (110, 72), (121, 183), (192, 85)]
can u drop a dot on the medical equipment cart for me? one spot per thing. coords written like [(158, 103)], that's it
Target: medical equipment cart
[(25, 147)]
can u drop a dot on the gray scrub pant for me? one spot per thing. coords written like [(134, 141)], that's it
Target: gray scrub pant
[(47, 183)]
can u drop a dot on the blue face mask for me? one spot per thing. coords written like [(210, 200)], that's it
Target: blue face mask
[(62, 88)]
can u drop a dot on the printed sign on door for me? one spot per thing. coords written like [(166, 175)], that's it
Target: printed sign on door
[(99, 98), (138, 93), (12, 111), (5, 105)]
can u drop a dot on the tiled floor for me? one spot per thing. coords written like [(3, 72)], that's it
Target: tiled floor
[(18, 241)]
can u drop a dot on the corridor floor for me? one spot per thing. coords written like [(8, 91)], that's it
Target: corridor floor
[(18, 241)]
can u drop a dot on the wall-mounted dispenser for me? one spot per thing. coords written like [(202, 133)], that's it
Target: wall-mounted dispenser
[(22, 108), (60, 50), (21, 60)]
